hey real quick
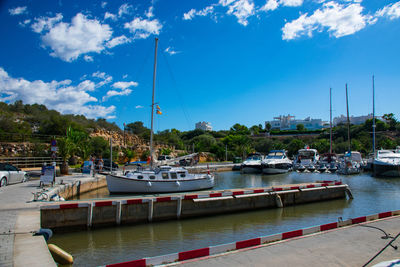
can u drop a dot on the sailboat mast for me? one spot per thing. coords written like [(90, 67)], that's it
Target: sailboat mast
[(373, 114), (348, 119), (330, 120), (152, 103)]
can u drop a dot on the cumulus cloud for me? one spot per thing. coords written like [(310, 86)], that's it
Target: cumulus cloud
[(149, 13), (124, 86), (24, 23), (18, 10), (291, 2), (124, 9), (68, 41), (117, 41), (270, 5), (339, 20), (109, 15), (88, 58), (241, 9), (103, 4), (105, 78), (391, 11), (139, 106), (45, 23), (192, 13), (142, 28), (58, 95)]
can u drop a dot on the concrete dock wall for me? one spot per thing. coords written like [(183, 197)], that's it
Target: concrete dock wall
[(88, 214)]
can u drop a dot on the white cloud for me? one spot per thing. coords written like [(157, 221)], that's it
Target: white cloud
[(192, 13), (171, 51), (124, 85), (45, 23), (142, 28), (339, 20), (125, 76), (241, 9), (70, 40), (392, 11), (292, 3), (124, 9), (61, 96), (103, 76), (109, 15), (18, 10), (24, 23), (270, 5), (103, 4), (117, 41), (149, 13), (88, 58), (139, 106)]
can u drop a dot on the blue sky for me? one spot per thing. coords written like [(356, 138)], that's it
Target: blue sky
[(222, 61)]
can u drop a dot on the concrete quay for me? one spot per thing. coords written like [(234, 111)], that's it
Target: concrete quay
[(348, 246)]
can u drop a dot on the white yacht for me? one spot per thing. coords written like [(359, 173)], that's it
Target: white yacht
[(252, 164), (162, 179), (306, 159), (276, 162), (158, 180), (387, 163)]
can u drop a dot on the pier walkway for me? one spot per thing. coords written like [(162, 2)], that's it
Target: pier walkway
[(348, 246)]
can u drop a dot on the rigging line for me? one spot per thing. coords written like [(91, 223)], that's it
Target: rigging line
[(385, 247), (181, 102)]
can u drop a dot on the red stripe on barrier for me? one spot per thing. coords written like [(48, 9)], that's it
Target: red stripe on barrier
[(248, 243), (69, 206), (103, 203), (238, 193), (277, 189), (196, 253), (191, 196), (258, 191), (216, 195), (327, 181), (292, 234), (328, 226), (163, 199), (135, 263), (134, 201), (310, 186), (294, 187), (324, 184), (338, 183), (359, 220), (384, 214)]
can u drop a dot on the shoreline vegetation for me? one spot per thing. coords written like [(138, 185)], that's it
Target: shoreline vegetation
[(24, 123)]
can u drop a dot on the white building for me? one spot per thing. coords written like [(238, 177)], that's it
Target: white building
[(356, 120), (205, 126), (289, 123)]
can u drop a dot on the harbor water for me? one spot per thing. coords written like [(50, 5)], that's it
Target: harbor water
[(118, 244)]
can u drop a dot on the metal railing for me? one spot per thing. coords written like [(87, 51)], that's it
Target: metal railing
[(28, 162)]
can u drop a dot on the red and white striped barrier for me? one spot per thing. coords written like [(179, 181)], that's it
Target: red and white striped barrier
[(254, 242), (233, 193)]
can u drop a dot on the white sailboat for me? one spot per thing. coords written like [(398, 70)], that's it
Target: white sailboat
[(163, 179)]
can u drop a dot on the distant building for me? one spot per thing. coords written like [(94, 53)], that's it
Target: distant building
[(289, 123), (205, 126), (356, 120)]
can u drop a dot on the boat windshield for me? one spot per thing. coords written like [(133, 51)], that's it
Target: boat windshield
[(307, 154), (254, 157), (275, 155)]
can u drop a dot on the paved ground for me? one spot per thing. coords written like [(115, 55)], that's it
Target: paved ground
[(349, 246)]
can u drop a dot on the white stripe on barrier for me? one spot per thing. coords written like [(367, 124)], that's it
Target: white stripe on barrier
[(311, 189), (211, 199), (162, 259), (253, 195), (50, 207), (83, 205), (311, 230), (396, 212), (372, 217), (227, 193), (345, 223), (271, 238), (287, 192), (222, 248)]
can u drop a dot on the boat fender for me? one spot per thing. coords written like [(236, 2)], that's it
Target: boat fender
[(148, 184), (178, 183), (46, 233), (60, 256)]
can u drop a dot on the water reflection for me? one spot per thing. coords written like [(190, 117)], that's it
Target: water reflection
[(111, 245)]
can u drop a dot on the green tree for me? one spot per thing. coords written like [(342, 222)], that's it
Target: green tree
[(268, 127), (300, 127)]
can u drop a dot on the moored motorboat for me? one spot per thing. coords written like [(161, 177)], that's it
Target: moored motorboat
[(351, 163), (387, 163), (306, 159), (252, 164), (276, 162), (159, 180)]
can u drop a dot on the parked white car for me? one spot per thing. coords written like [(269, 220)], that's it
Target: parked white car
[(10, 174)]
